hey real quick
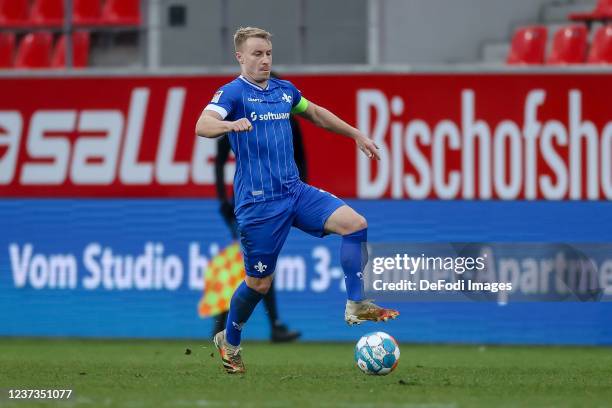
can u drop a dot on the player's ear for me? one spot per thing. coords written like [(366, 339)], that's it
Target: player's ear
[(239, 57)]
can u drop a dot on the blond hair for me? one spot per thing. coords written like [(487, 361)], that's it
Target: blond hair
[(244, 33)]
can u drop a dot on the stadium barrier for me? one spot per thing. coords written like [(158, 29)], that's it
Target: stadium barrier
[(466, 136), (98, 174)]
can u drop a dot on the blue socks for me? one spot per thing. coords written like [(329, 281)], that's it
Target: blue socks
[(353, 259), (242, 305)]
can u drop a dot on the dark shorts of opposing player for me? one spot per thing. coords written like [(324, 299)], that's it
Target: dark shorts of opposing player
[(264, 226)]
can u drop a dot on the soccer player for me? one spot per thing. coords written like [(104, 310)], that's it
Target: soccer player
[(279, 332), (254, 111)]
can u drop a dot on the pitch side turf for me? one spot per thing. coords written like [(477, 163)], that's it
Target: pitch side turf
[(188, 374)]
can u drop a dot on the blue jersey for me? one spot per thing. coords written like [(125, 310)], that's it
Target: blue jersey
[(265, 167)]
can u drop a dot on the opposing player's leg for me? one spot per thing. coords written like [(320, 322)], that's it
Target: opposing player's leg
[(263, 230), (320, 213), (279, 332)]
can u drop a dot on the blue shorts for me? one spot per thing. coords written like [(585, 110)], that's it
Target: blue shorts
[(264, 226)]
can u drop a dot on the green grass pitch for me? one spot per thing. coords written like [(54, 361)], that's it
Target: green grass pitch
[(184, 374)]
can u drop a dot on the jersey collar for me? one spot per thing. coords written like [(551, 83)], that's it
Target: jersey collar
[(259, 88)]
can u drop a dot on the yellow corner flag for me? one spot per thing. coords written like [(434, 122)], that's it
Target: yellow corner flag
[(223, 275)]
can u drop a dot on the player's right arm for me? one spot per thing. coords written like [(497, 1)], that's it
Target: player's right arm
[(211, 124), (212, 121)]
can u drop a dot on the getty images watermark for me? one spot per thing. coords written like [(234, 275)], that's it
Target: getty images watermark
[(489, 271)]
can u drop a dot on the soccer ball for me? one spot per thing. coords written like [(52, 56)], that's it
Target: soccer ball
[(377, 353)]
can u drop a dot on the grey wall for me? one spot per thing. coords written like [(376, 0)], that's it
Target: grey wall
[(304, 31), (278, 17), (199, 42), (335, 31), (442, 31)]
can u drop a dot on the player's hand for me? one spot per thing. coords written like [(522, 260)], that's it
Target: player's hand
[(240, 125), (368, 147)]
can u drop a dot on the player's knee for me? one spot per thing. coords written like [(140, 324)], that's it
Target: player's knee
[(358, 223), (264, 287), (259, 285)]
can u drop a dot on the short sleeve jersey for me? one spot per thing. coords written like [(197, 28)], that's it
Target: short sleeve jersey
[(265, 167)]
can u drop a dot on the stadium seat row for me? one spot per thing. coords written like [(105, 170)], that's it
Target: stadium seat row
[(50, 13), (36, 50), (601, 12), (570, 46)]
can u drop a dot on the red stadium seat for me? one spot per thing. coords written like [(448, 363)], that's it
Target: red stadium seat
[(601, 49), (80, 51), (48, 13), (7, 50), (34, 51), (528, 46), (569, 46), (602, 11), (14, 13), (121, 12), (86, 12)]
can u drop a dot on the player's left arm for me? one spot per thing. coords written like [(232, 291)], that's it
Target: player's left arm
[(327, 120)]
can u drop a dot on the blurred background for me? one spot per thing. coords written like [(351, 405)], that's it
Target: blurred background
[(358, 35), (493, 118)]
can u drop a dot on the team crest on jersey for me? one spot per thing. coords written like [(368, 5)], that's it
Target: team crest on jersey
[(216, 96), (286, 98)]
